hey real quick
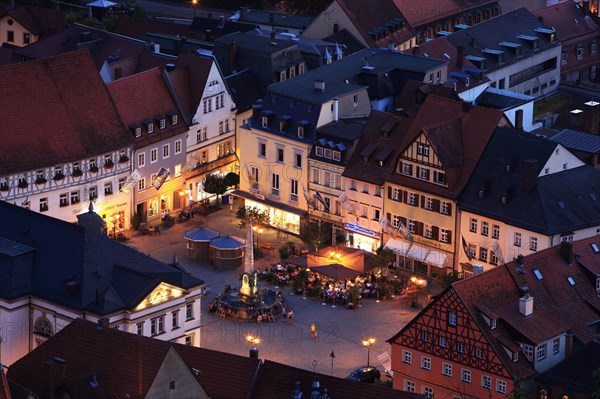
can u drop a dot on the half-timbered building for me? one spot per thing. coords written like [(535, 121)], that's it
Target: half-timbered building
[(507, 324)]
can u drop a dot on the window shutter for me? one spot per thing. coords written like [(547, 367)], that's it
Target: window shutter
[(423, 201), (427, 174), (400, 167), (435, 233), (449, 237), (436, 205), (403, 220), (389, 192), (410, 170), (389, 216), (419, 228), (449, 208), (404, 197)]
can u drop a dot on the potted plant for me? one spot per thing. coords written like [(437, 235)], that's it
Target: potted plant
[(41, 180), (135, 221), (77, 173), (123, 158), (59, 176), (94, 169), (108, 164), (4, 187), (353, 296), (23, 184)]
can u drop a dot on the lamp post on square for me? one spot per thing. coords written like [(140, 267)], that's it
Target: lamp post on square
[(194, 3), (367, 343)]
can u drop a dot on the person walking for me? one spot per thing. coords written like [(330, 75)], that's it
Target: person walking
[(290, 316), (313, 332)]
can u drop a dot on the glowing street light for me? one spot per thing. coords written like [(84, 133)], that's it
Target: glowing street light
[(254, 341), (194, 3), (367, 343)]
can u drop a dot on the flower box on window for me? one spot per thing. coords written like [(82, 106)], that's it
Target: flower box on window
[(94, 169), (59, 176), (4, 188), (40, 180), (108, 164), (77, 173), (123, 159), (23, 184)]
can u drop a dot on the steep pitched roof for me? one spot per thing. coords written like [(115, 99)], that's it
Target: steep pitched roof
[(107, 276), (110, 354), (559, 202), (38, 20), (559, 306), (145, 96), (377, 124), (568, 21), (443, 121), (216, 369), (576, 140), (370, 15), (64, 96), (277, 381), (344, 37), (245, 89)]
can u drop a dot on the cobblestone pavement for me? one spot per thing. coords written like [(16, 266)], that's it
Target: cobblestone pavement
[(339, 329)]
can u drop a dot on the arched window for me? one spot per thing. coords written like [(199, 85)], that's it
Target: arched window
[(543, 394), (43, 327)]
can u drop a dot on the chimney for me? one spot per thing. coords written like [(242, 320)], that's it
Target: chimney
[(232, 55), (525, 302), (336, 105), (319, 85), (169, 67), (208, 35), (254, 353), (243, 11), (91, 221), (221, 21), (466, 106), (529, 174), (460, 55), (415, 50), (519, 119), (566, 251), (568, 344), (55, 375)]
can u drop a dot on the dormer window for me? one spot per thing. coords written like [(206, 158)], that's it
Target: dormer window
[(337, 155), (301, 132), (136, 129), (531, 41), (173, 117), (493, 324), (163, 123), (319, 151), (266, 116), (149, 125), (265, 122), (328, 153), (284, 123)]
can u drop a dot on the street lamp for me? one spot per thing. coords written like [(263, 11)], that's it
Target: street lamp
[(194, 3), (254, 341), (367, 343), (418, 284)]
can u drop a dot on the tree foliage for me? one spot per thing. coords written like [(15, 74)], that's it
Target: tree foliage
[(232, 179), (384, 256), (259, 218), (215, 184), (312, 234)]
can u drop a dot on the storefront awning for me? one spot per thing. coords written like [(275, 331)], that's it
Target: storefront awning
[(271, 203), (336, 271), (418, 252)]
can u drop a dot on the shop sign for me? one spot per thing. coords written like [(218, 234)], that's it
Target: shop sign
[(361, 230)]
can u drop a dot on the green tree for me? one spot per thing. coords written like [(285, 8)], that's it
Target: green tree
[(517, 392), (312, 234), (260, 219), (384, 256), (232, 179), (215, 184)]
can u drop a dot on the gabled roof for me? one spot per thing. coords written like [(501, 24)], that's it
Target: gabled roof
[(146, 96), (38, 20), (485, 39), (414, 92), (568, 21), (447, 120), (277, 381), (558, 306), (344, 37), (373, 134), (559, 202), (110, 353), (81, 269), (66, 96), (579, 141)]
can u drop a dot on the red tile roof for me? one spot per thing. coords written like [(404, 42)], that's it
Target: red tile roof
[(367, 15), (222, 375), (124, 363), (277, 381), (144, 96), (54, 111), (459, 137), (425, 11)]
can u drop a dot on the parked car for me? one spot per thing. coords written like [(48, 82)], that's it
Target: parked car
[(365, 374)]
